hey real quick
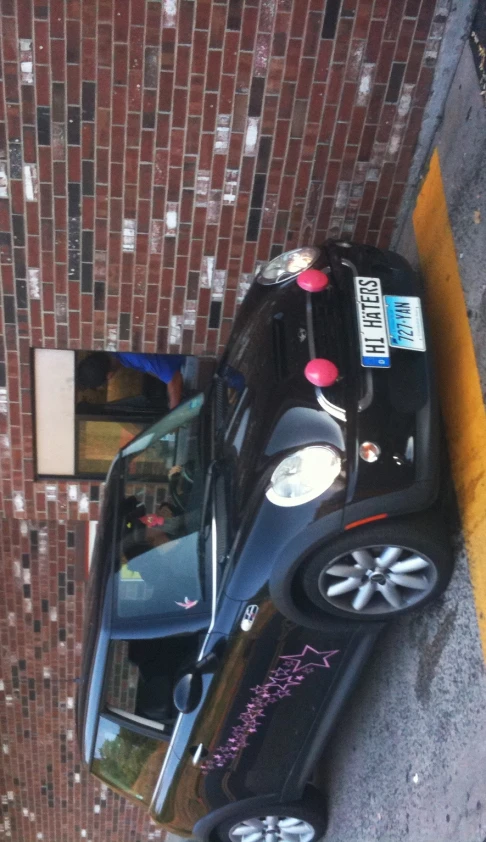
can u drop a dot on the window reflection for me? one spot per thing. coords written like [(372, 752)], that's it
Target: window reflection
[(127, 760)]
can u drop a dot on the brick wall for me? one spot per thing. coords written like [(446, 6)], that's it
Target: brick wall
[(151, 153)]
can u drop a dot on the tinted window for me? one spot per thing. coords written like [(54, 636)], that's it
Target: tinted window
[(160, 572), (141, 677), (127, 760)]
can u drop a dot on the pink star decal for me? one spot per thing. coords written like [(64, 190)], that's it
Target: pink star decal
[(310, 657), (188, 603)]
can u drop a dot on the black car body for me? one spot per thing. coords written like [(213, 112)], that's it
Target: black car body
[(259, 666)]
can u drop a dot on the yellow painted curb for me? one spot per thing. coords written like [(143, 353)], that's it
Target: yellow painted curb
[(458, 378)]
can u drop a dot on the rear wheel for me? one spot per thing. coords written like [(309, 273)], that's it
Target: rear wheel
[(381, 570), (301, 821)]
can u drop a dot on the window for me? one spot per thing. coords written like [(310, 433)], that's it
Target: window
[(160, 571), (128, 760), (79, 430), (141, 677)]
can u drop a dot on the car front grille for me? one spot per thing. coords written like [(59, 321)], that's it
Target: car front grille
[(329, 332), (331, 338)]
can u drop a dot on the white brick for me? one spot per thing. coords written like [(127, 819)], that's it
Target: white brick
[(171, 219), (365, 83), (175, 330), (129, 233), (230, 187), (251, 135), (190, 314), (26, 62), (219, 284), (202, 188), (222, 134), (31, 182), (207, 271), (18, 501), (72, 493), (3, 180), (262, 55), (170, 12), (33, 282)]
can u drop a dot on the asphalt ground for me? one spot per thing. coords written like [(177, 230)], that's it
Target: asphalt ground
[(408, 759)]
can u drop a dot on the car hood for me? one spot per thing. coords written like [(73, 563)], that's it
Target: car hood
[(275, 409)]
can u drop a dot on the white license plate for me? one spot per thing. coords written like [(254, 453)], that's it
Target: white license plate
[(405, 323), (373, 335)]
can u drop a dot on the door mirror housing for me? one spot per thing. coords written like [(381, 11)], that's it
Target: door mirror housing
[(188, 691), (189, 688)]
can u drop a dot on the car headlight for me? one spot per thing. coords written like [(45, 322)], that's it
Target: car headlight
[(304, 475), (286, 265)]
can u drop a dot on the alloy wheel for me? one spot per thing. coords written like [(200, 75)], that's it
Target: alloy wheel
[(272, 829), (377, 580)]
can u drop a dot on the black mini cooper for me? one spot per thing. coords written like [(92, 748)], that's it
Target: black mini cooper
[(254, 542)]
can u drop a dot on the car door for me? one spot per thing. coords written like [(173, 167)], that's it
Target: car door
[(268, 697)]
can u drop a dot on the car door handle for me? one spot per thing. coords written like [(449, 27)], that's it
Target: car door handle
[(198, 752)]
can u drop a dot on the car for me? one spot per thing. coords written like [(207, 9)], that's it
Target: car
[(253, 544)]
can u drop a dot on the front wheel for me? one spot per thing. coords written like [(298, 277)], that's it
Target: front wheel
[(301, 821), (381, 570)]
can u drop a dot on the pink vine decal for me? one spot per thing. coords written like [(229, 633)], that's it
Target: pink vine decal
[(279, 684)]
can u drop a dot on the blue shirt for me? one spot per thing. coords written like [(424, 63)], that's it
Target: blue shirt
[(163, 366)]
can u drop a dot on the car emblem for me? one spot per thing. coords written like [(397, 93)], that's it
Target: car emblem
[(302, 334), (249, 617)]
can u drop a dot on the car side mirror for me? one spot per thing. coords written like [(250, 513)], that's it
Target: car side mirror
[(188, 691)]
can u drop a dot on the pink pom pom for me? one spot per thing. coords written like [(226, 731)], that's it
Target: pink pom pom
[(321, 372), (312, 280)]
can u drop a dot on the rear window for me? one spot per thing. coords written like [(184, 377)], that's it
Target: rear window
[(128, 761)]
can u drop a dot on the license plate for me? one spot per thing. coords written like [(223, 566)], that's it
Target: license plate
[(373, 335), (405, 323)]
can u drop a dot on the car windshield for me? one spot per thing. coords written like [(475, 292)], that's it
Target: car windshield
[(159, 573)]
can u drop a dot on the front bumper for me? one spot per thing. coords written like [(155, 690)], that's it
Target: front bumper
[(395, 407)]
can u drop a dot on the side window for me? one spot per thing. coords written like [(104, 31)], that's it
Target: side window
[(128, 760), (142, 675)]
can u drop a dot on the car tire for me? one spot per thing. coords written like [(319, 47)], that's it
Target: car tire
[(361, 575), (310, 812)]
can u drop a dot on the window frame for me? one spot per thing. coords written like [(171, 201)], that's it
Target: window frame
[(135, 719)]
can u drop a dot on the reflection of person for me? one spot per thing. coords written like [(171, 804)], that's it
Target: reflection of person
[(97, 368)]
